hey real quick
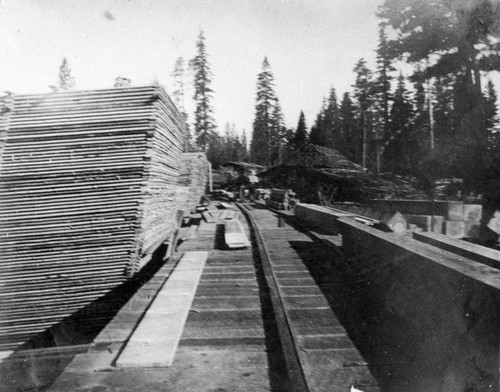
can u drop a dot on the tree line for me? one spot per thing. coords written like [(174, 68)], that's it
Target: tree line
[(438, 119)]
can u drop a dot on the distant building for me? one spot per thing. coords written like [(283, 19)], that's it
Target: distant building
[(250, 171)]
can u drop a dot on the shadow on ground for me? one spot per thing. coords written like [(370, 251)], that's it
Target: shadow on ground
[(379, 337)]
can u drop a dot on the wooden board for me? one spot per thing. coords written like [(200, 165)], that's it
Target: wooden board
[(234, 235), (154, 342)]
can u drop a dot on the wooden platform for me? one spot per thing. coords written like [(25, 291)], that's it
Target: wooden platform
[(329, 358), (229, 341)]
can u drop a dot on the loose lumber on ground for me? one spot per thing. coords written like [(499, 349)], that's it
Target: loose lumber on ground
[(88, 186), (155, 340), (234, 234)]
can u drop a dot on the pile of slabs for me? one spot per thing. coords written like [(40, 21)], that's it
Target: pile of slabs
[(87, 187)]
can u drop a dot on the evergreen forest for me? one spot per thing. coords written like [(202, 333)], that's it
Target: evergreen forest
[(427, 110)]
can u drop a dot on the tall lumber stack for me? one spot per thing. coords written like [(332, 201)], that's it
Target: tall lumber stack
[(87, 186), (193, 176)]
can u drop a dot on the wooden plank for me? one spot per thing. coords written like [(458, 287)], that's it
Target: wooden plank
[(207, 215), (481, 254), (234, 235), (155, 341)]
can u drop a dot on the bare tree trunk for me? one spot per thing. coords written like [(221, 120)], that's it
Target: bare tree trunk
[(365, 140)]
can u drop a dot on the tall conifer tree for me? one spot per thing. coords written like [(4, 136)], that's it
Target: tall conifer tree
[(278, 131), (261, 145), (178, 96), (382, 90), (178, 92), (491, 112), (363, 91), (66, 81), (333, 137), (318, 134), (399, 147), (352, 137), (204, 123), (300, 136)]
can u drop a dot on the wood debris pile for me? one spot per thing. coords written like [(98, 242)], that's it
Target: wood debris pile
[(322, 175), (88, 187)]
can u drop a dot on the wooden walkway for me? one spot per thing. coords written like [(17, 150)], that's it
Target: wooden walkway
[(302, 268), (230, 340)]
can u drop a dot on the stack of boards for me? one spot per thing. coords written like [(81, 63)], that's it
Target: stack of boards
[(87, 188)]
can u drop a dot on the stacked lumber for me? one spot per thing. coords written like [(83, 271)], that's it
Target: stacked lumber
[(193, 178), (279, 199), (87, 187)]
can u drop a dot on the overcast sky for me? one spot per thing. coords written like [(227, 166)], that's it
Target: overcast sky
[(312, 45)]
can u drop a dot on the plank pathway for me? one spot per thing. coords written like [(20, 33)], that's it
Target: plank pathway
[(230, 340), (329, 359)]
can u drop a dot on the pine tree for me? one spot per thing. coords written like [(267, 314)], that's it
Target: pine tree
[(363, 91), (239, 150), (204, 124), (244, 145), (178, 76), (382, 94), (382, 83), (453, 39), (66, 81), (178, 96), (277, 134), (317, 135), (443, 108), (215, 150), (326, 130), (353, 139), (332, 134), (300, 136), (491, 112), (421, 119), (263, 125), (399, 147)]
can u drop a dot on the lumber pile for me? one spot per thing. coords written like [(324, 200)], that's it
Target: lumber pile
[(281, 199), (193, 177), (88, 184)]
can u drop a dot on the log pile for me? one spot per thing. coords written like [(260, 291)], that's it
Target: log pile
[(87, 187)]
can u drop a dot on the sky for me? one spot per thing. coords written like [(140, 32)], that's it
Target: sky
[(312, 46)]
